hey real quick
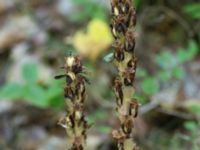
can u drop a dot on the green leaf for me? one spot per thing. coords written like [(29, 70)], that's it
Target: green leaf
[(178, 72), (164, 75), (195, 109), (109, 57), (195, 146), (141, 98), (36, 96), (91, 119), (57, 102), (100, 114), (141, 72), (54, 89), (192, 9), (165, 59), (150, 86), (30, 73), (192, 49), (182, 55), (196, 15), (97, 115), (12, 91), (54, 96), (137, 3), (104, 129), (189, 53), (190, 125)]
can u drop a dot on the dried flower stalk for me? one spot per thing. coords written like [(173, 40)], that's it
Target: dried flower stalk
[(123, 29), (74, 122)]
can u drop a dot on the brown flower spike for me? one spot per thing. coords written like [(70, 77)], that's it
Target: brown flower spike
[(123, 29), (74, 91)]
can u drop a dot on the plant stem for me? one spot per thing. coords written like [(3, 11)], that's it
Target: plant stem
[(123, 29), (74, 122)]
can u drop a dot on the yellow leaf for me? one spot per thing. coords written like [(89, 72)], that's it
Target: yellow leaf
[(95, 40)]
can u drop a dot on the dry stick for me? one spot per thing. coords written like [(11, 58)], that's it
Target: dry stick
[(123, 29), (74, 122)]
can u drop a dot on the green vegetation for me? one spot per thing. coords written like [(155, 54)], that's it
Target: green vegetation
[(170, 68), (42, 95), (193, 10)]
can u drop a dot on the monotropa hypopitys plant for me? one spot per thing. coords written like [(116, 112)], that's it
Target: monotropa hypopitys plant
[(123, 24), (75, 93)]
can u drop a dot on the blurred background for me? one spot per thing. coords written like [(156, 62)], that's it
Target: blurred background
[(35, 35)]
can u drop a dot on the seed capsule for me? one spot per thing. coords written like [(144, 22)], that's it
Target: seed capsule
[(113, 31), (82, 121), (133, 109), (132, 18), (129, 76), (132, 63), (70, 121), (69, 93), (127, 126), (116, 11), (77, 67), (128, 82), (121, 28), (129, 46), (126, 8), (118, 92), (119, 55), (123, 9)]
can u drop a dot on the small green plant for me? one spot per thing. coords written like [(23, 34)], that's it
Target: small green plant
[(75, 93), (170, 67), (193, 10), (171, 63), (42, 95), (193, 128)]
